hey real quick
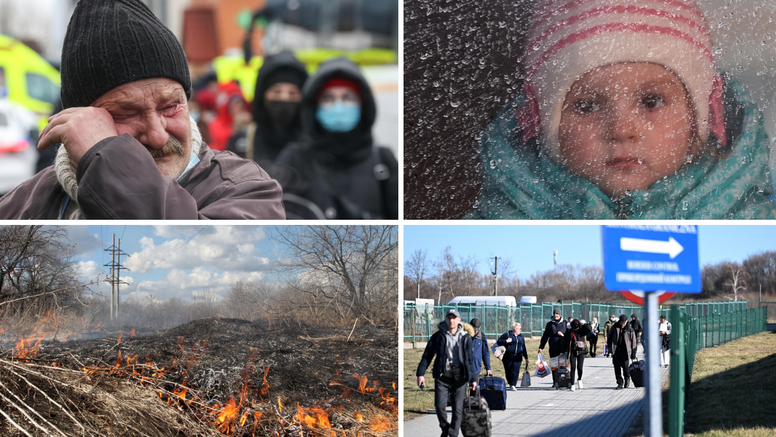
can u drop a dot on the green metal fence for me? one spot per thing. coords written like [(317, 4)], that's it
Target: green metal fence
[(696, 333), (421, 321)]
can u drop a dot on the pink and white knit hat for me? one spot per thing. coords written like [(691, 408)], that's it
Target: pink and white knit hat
[(568, 38)]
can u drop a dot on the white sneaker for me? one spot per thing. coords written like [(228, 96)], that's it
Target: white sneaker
[(572, 387), (579, 385)]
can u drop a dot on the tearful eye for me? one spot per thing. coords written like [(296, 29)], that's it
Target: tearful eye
[(586, 106), (652, 101)]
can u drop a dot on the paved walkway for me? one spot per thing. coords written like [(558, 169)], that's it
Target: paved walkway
[(596, 411)]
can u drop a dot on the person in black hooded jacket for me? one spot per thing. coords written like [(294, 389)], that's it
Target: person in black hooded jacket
[(275, 111), (336, 172), (554, 331)]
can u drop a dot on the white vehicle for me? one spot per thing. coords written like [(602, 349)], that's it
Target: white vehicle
[(18, 155), (527, 299), (504, 301), (424, 302)]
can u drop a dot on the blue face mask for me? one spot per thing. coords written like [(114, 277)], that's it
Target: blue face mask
[(339, 117)]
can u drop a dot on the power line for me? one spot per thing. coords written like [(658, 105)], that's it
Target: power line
[(115, 278)]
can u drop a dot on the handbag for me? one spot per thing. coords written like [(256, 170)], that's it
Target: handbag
[(526, 381), (498, 351)]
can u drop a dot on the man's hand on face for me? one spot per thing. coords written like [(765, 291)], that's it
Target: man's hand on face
[(78, 129)]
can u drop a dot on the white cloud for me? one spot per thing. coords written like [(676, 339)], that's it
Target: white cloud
[(189, 285), (89, 270), (229, 248)]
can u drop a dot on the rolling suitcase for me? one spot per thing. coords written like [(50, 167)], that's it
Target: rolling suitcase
[(476, 416), (494, 390), (637, 373), (564, 378)]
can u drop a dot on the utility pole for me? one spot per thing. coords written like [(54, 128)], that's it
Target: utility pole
[(494, 272), (115, 277)]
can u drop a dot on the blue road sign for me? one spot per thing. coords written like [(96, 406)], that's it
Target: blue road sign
[(651, 258)]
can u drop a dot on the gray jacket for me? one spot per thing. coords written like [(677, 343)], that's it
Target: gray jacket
[(630, 339), (118, 179)]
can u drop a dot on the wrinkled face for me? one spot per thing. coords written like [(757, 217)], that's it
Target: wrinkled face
[(625, 126), (283, 92), (338, 93), (154, 112)]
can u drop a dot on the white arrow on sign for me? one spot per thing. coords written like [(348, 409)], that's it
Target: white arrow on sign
[(670, 247)]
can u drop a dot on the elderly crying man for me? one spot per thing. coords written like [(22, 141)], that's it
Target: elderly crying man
[(129, 148)]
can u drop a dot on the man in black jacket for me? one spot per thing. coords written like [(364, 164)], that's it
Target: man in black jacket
[(636, 327), (622, 344), (554, 331), (453, 369)]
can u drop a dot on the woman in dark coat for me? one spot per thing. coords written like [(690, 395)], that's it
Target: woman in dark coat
[(337, 172), (275, 111), (575, 344), (513, 356)]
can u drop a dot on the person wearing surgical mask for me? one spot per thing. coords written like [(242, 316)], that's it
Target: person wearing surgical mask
[(337, 172), (275, 111)]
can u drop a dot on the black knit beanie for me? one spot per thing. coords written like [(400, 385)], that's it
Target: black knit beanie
[(112, 42), (286, 74)]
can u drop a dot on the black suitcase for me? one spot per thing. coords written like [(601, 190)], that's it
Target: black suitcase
[(564, 378), (494, 390), (476, 417), (637, 373)]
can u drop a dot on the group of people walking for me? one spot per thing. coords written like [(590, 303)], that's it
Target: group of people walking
[(460, 351)]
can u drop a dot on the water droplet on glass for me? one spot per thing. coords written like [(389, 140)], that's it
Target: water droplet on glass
[(455, 104), (493, 164)]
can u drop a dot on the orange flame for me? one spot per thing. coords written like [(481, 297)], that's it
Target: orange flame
[(362, 380), (314, 418), (380, 424), (280, 406), (265, 386), (181, 392), (359, 417), (28, 347), (226, 416), (132, 333)]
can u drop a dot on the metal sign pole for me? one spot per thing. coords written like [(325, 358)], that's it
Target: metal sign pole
[(653, 410)]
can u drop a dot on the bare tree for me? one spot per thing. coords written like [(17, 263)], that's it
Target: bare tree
[(416, 267), (737, 280), (349, 265), (37, 273)]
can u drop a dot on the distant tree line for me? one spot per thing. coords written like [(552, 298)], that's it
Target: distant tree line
[(325, 276), (446, 277)]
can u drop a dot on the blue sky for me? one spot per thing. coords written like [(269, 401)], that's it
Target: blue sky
[(530, 247), (175, 261)]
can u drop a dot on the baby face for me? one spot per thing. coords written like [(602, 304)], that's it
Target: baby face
[(625, 126)]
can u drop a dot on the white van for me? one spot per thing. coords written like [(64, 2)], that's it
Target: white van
[(527, 299), (504, 301)]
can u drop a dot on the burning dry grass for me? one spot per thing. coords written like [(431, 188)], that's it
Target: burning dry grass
[(100, 390), (45, 400)]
